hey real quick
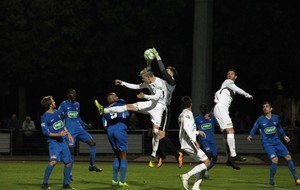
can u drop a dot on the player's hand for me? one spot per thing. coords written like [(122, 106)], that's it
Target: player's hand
[(202, 134), (249, 96), (88, 126), (249, 138), (62, 133), (118, 82), (155, 52), (287, 139), (141, 95)]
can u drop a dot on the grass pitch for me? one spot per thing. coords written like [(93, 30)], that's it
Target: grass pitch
[(28, 175)]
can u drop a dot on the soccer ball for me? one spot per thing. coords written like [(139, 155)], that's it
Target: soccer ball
[(148, 55)]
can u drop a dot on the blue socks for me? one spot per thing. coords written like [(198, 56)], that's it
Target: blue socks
[(123, 169), (48, 172), (67, 172), (119, 165), (92, 155), (116, 166), (292, 169), (273, 170)]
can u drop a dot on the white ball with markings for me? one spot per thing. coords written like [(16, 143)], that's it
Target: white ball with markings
[(149, 55)]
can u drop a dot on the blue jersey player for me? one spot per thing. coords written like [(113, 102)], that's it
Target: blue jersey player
[(53, 127), (206, 123), (269, 126), (116, 128), (71, 110)]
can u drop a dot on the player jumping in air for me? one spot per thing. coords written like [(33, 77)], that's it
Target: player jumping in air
[(154, 106), (71, 110), (164, 141), (223, 98)]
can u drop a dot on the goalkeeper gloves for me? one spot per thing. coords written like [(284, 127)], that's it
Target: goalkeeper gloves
[(155, 52), (99, 107)]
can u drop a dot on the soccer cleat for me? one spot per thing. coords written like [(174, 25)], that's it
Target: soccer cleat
[(180, 159), (185, 181), (123, 184), (94, 168), (114, 183), (159, 163), (297, 182), (206, 175), (99, 107), (152, 162), (196, 188), (238, 158), (232, 164), (45, 186), (67, 186), (272, 184)]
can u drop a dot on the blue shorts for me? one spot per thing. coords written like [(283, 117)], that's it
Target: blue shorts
[(117, 136), (81, 135), (59, 151), (207, 146), (275, 149)]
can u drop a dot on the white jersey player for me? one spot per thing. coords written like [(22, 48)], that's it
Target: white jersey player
[(189, 144), (155, 105), (223, 98)]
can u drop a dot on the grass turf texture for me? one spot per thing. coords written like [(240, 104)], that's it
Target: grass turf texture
[(29, 175)]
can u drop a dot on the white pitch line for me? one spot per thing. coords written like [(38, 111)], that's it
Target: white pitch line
[(258, 184)]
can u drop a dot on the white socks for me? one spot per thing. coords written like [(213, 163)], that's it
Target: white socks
[(197, 169), (231, 144), (155, 142)]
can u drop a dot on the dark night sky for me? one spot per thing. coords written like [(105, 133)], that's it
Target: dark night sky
[(260, 39)]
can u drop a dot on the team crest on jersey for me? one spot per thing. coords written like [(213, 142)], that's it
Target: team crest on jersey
[(270, 130), (206, 126), (72, 114), (59, 124), (187, 116)]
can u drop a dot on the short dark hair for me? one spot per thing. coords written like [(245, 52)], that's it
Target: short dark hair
[(233, 70), (46, 102), (70, 90), (267, 102), (186, 102), (173, 70)]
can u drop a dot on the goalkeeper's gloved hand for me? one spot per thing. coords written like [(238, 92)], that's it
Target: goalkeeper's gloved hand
[(155, 52), (99, 107)]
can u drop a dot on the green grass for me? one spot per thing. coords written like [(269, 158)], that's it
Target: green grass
[(29, 176)]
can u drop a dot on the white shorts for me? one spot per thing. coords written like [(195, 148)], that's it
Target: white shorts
[(221, 113), (154, 109), (196, 154)]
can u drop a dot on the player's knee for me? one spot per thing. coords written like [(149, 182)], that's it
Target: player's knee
[(288, 157), (155, 132), (53, 162), (206, 162), (68, 164), (275, 160), (91, 143)]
